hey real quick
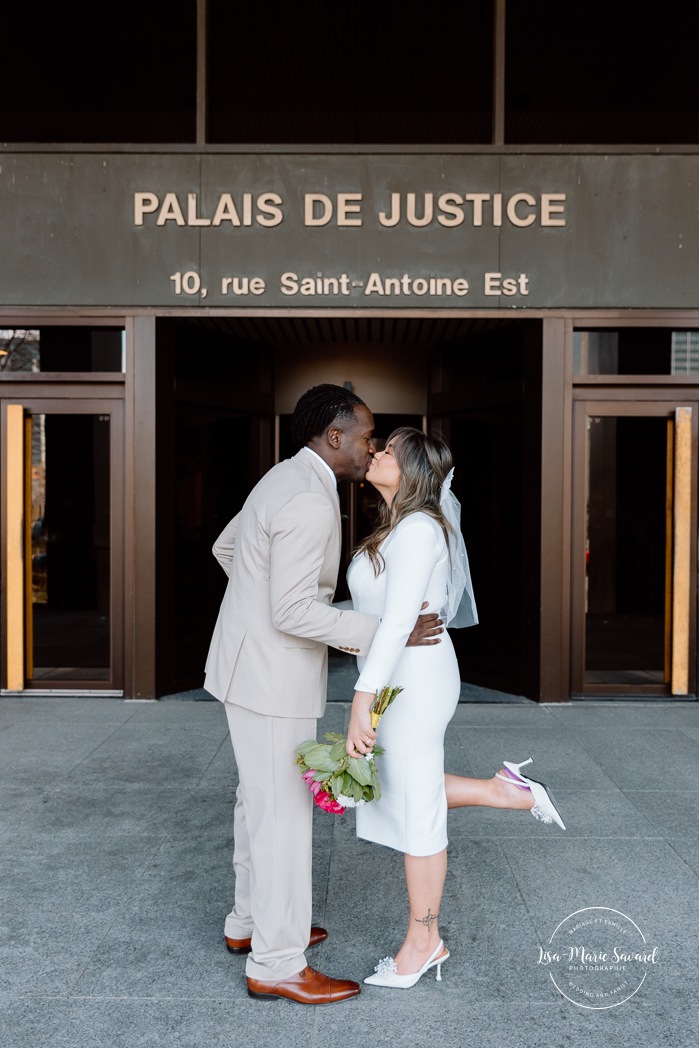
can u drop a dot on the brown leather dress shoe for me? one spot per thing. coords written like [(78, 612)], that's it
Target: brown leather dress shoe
[(245, 945), (308, 987)]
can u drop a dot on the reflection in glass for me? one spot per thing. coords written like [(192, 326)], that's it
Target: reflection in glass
[(685, 352), (70, 548), (61, 349), (636, 351), (19, 350), (627, 476)]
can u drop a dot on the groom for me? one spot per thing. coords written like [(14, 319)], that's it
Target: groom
[(268, 664)]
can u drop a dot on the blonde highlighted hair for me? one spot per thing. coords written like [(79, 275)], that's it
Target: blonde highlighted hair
[(424, 462)]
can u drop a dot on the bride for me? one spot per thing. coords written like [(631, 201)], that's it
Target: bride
[(415, 555)]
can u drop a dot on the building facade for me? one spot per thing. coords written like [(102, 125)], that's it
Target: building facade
[(191, 239)]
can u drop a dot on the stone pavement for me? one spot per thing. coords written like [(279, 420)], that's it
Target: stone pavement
[(115, 826)]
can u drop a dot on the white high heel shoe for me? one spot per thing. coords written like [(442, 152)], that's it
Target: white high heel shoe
[(387, 974), (545, 807)]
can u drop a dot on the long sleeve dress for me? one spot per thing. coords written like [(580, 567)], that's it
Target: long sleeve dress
[(411, 815)]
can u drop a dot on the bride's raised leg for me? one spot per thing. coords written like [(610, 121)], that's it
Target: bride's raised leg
[(507, 789), (465, 792)]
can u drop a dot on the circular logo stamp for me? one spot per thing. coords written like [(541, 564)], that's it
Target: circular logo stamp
[(598, 957)]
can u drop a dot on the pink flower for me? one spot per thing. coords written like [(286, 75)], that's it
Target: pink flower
[(313, 786), (328, 803)]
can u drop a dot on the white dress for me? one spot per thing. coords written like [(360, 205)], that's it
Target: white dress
[(411, 815)]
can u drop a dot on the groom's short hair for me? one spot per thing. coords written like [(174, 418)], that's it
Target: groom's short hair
[(318, 408)]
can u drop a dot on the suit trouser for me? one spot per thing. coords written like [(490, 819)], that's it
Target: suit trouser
[(273, 825)]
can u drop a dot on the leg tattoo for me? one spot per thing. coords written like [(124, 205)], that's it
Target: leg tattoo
[(428, 920)]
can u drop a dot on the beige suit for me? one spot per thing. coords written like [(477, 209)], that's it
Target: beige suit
[(268, 664)]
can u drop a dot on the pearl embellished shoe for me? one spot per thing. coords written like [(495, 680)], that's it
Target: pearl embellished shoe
[(545, 807), (387, 973)]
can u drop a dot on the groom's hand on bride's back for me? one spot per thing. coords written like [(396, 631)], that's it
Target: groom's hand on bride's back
[(426, 630)]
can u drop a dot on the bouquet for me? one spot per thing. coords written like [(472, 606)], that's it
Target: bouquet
[(336, 780), (383, 700)]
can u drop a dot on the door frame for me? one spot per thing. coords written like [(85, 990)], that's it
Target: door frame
[(65, 399), (643, 402)]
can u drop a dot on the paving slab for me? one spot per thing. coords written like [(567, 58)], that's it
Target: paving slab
[(115, 877)]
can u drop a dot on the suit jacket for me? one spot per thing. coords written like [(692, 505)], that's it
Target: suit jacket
[(281, 553)]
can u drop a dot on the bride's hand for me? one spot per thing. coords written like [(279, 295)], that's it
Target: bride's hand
[(360, 734)]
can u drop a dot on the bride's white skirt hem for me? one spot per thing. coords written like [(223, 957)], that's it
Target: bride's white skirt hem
[(413, 852)]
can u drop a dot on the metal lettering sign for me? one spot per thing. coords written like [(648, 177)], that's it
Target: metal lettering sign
[(335, 231)]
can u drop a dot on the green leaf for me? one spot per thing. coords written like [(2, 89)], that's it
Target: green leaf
[(303, 749), (333, 736), (336, 785), (317, 756), (327, 764), (359, 769), (338, 751)]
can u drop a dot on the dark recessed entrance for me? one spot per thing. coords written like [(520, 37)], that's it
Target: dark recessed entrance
[(226, 389)]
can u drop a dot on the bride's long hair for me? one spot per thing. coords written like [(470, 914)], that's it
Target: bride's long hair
[(424, 462)]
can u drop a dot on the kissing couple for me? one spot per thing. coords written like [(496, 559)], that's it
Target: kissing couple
[(267, 663)]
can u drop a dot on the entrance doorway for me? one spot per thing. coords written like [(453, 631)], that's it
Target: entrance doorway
[(634, 548), (62, 492), (235, 382)]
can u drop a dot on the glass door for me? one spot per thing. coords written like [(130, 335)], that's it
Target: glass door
[(634, 543), (62, 560)]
